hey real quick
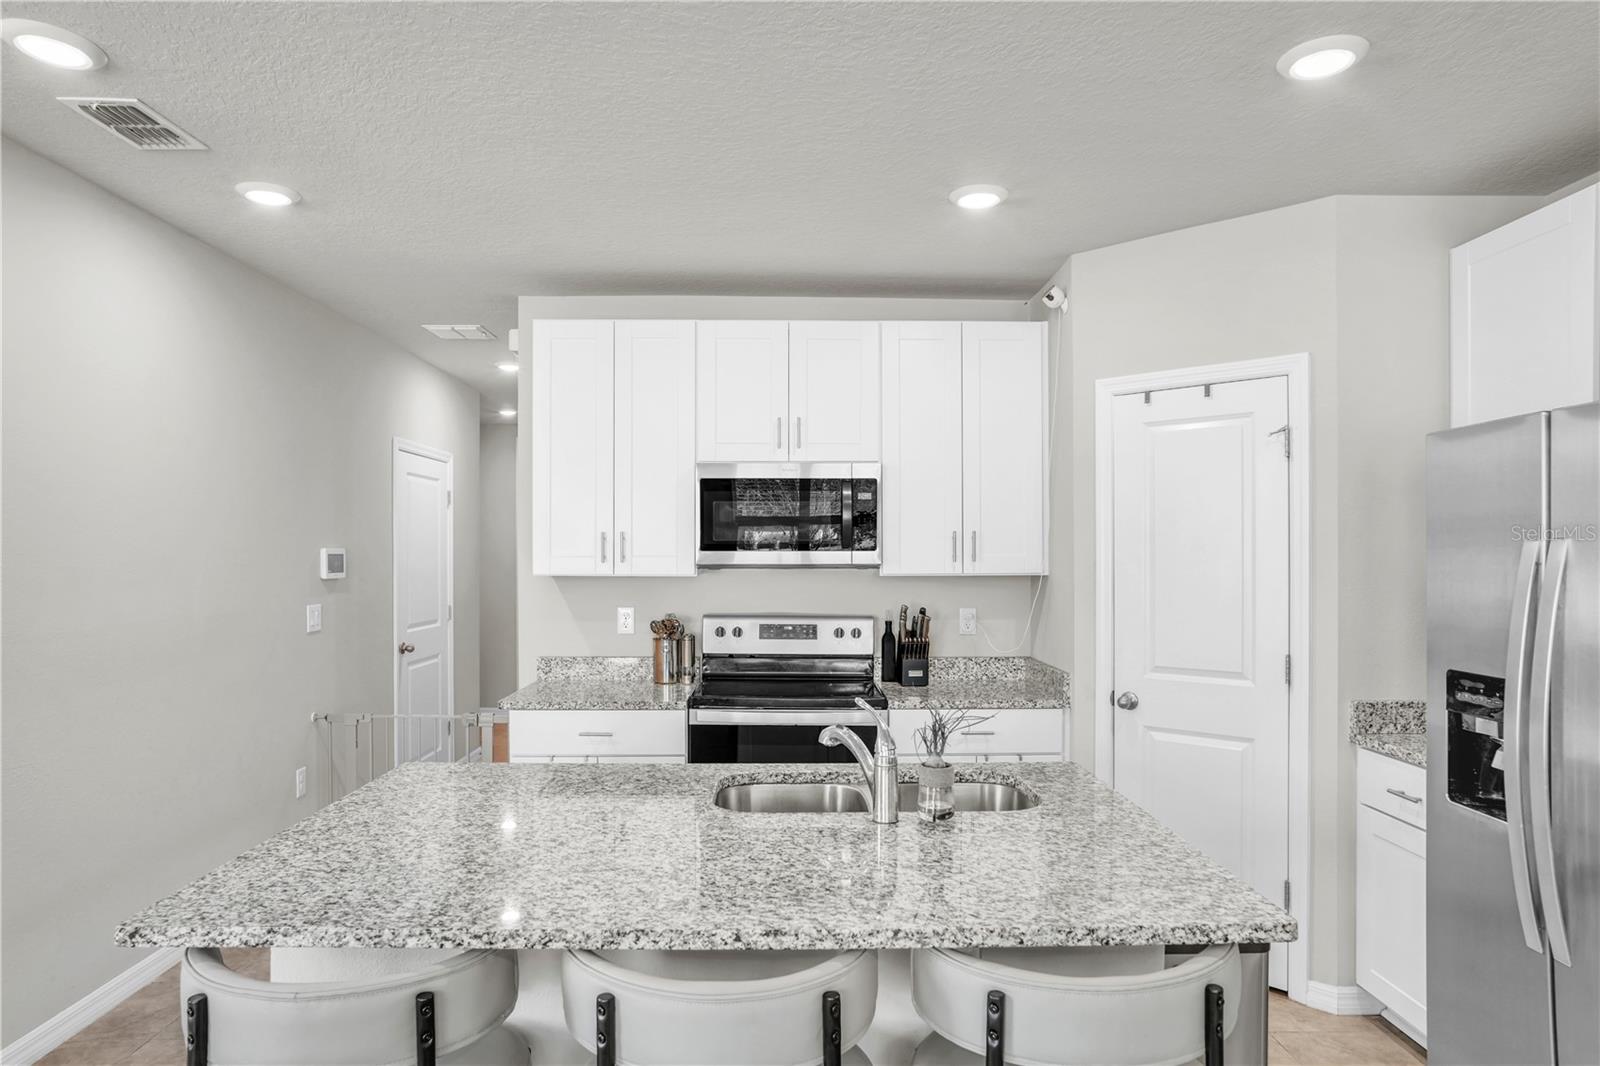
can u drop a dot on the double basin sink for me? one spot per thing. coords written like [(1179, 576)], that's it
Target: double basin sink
[(828, 797)]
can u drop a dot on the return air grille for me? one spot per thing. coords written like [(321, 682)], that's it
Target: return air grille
[(135, 122)]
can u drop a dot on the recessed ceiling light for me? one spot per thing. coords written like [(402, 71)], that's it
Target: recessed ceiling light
[(509, 368), (978, 197), (1323, 57), (53, 45), (508, 412), (267, 194)]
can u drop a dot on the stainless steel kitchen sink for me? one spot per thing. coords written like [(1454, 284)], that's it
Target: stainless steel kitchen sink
[(774, 797)]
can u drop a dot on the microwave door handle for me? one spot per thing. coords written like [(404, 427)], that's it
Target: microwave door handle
[(847, 492), (1515, 712), (1539, 795)]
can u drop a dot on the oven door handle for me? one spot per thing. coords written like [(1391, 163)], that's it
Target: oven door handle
[(758, 716)]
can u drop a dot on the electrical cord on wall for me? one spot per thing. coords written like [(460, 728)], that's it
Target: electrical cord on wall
[(1049, 463)]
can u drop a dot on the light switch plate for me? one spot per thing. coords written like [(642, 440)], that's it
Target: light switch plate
[(624, 619), (313, 618), (300, 783), (969, 621)]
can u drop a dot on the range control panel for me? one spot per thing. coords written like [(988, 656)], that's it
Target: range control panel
[(770, 634)]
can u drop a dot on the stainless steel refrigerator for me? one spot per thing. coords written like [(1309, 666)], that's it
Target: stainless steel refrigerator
[(1514, 741)]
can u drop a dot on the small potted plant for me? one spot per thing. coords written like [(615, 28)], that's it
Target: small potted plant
[(936, 779)]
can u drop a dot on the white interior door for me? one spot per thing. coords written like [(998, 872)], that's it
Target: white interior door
[(742, 385), (920, 513), (422, 605), (833, 391), (655, 449), (1200, 514)]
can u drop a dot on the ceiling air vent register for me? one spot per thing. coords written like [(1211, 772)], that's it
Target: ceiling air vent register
[(134, 122)]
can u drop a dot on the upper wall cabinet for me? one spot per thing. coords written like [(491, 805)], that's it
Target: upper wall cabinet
[(787, 391), (964, 433), (613, 450), (1522, 315), (833, 391)]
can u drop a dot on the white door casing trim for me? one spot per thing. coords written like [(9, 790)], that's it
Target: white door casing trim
[(1297, 369), (404, 446), (35, 1044)]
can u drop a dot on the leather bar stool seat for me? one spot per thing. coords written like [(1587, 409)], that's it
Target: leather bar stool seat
[(370, 1021), (1074, 1006), (720, 1008)]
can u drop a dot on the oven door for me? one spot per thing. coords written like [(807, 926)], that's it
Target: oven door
[(769, 737), (787, 514)]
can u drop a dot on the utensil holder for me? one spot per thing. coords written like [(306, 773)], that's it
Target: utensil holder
[(664, 661), (914, 664)]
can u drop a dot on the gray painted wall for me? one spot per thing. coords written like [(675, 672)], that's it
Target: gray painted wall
[(181, 434), (497, 563), (1362, 284), (577, 615)]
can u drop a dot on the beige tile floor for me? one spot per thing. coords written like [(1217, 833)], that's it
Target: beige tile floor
[(146, 1029)]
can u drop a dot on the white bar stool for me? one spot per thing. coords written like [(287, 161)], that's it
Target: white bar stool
[(1074, 1006), (720, 1008), (445, 1014)]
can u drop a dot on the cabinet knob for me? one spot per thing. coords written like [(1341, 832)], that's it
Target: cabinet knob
[(838, 633)]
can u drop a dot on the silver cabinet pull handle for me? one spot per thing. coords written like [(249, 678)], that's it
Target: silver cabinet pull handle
[(1544, 851), (955, 546), (1408, 797), (780, 433), (1514, 727), (582, 734), (974, 545), (797, 443), (622, 546), (602, 547), (977, 732)]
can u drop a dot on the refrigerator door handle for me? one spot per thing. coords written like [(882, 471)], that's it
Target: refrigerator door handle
[(1539, 794), (1516, 673)]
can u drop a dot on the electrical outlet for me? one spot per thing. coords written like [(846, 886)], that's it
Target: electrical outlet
[(624, 619), (300, 783), (313, 618), (969, 621)]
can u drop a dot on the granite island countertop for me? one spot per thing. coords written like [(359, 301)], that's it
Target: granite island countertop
[(1396, 728), (474, 855)]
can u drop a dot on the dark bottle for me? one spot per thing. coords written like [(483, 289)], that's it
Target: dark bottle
[(891, 661)]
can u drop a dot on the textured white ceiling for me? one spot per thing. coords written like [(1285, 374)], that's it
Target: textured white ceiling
[(455, 155)]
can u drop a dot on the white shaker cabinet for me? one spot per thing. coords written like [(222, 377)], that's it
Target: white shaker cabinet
[(613, 456), (572, 393), (834, 408), (1522, 315), (1005, 397), (742, 381), (920, 516), (654, 490), (1392, 887)]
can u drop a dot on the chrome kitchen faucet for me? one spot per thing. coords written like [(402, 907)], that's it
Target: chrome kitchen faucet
[(881, 766)]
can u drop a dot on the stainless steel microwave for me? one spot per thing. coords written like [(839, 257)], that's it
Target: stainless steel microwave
[(787, 514)]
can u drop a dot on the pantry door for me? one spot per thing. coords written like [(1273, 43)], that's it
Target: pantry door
[(423, 696), (1200, 541)]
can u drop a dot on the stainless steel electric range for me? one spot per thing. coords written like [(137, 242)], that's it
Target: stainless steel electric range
[(770, 683)]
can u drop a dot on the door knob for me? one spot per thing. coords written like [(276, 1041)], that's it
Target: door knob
[(1128, 701), (407, 649)]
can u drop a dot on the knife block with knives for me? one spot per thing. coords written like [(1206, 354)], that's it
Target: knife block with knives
[(915, 642)]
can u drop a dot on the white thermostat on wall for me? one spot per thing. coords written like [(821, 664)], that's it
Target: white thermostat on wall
[(332, 562)]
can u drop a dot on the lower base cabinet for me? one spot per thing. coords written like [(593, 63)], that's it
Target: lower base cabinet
[(1392, 896), (1021, 734), (598, 736)]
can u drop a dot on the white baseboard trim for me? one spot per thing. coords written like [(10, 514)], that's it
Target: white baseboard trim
[(33, 1046), (1341, 999)]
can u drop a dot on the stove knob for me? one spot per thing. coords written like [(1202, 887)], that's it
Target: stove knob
[(721, 632), (838, 633), (737, 631), (856, 633)]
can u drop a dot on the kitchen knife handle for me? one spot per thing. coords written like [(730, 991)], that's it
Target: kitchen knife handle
[(1516, 705), (1544, 852)]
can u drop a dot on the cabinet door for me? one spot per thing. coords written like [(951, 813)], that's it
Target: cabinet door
[(1522, 315), (1004, 398), (1391, 914), (572, 447), (655, 449), (742, 380), (833, 391), (919, 520)]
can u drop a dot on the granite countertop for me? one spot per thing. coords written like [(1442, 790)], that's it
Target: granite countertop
[(595, 683), (474, 855), (1396, 728)]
